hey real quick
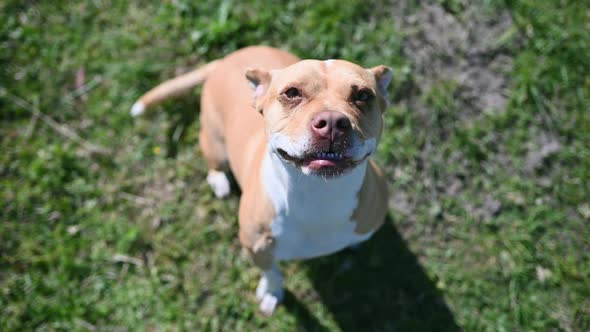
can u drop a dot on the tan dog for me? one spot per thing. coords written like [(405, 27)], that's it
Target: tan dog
[(298, 142)]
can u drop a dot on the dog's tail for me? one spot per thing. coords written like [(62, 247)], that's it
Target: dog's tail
[(171, 88)]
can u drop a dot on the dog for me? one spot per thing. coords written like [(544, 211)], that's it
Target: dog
[(298, 136)]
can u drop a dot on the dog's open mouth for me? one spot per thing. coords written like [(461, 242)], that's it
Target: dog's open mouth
[(325, 163)]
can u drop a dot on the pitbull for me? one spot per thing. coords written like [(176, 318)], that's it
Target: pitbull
[(298, 136)]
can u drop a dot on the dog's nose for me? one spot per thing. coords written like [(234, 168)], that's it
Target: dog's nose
[(330, 125)]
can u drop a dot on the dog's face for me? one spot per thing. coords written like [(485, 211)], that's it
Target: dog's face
[(324, 117)]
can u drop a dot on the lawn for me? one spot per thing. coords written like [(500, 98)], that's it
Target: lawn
[(106, 222)]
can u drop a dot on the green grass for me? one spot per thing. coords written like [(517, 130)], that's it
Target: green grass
[(489, 226)]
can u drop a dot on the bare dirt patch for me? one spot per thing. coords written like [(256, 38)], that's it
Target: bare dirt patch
[(466, 48), (463, 61)]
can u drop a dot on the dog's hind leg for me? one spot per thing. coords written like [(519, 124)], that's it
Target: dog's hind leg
[(213, 148), (214, 152), (219, 183)]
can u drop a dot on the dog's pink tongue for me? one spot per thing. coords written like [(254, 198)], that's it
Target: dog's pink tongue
[(321, 163)]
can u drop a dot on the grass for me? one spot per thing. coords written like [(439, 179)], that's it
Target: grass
[(489, 221)]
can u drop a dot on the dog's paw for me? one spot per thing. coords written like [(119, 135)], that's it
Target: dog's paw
[(268, 297), (268, 304), (219, 183), (137, 109)]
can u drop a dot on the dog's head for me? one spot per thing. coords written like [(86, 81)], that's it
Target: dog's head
[(323, 117)]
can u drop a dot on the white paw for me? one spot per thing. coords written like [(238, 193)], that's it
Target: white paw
[(270, 292), (268, 304), (262, 288), (137, 109), (219, 183)]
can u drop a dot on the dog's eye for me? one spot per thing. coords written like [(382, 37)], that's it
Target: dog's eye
[(292, 93), (363, 96)]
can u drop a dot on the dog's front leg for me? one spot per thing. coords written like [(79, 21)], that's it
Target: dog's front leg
[(270, 289), (255, 218)]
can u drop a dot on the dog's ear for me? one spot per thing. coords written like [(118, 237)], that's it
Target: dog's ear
[(383, 75), (259, 80)]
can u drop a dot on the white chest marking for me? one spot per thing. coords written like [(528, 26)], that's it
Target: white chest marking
[(313, 215)]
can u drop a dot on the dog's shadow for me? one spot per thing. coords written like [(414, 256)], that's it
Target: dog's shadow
[(381, 286)]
